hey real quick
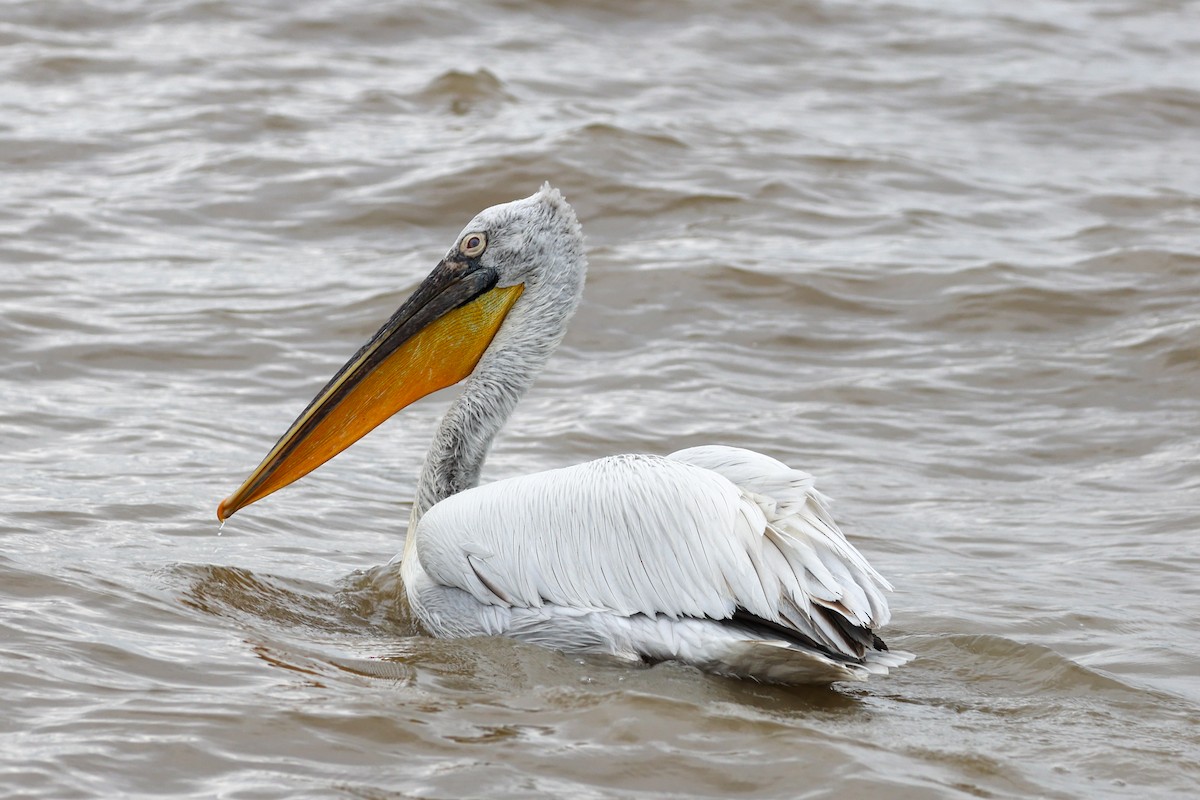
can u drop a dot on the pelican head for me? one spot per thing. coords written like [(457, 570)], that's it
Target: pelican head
[(497, 305)]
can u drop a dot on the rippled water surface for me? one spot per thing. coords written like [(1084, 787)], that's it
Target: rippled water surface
[(944, 256)]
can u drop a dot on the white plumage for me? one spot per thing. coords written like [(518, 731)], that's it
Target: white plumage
[(714, 556)]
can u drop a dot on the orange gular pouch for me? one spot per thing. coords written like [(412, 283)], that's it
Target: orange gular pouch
[(434, 340)]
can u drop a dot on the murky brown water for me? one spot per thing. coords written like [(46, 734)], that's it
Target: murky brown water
[(944, 256)]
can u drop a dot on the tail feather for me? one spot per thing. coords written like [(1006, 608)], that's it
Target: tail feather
[(778, 662)]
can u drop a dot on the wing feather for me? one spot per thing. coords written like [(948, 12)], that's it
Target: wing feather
[(705, 533)]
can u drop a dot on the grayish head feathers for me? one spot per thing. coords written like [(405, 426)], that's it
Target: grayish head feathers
[(537, 242), (532, 241)]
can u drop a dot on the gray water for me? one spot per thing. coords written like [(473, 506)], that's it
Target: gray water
[(943, 256)]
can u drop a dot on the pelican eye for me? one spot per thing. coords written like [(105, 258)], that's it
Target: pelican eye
[(473, 244)]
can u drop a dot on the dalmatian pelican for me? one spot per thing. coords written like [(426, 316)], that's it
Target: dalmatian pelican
[(715, 556)]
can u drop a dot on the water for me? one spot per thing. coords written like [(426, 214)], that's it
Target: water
[(943, 256)]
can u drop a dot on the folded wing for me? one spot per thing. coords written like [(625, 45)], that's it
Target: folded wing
[(714, 533)]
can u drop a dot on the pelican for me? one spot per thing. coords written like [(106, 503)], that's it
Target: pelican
[(715, 556)]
